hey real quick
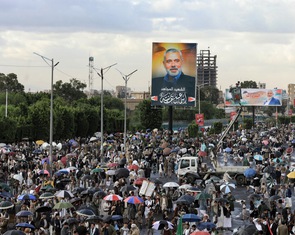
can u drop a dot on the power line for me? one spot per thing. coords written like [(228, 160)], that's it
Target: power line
[(21, 66)]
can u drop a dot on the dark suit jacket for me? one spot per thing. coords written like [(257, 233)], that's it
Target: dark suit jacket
[(184, 85), (274, 101)]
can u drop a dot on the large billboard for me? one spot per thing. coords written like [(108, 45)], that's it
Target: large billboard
[(174, 74), (255, 97)]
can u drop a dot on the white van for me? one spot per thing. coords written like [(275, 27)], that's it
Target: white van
[(187, 164)]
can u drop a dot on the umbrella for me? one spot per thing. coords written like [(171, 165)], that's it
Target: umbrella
[(214, 179), (277, 160), (194, 189), (75, 200), (202, 154), (25, 225), (268, 169), (227, 150), (111, 172), (249, 173), (5, 194), (4, 187), (226, 188), (171, 185), (46, 195), (6, 205), (265, 142), (275, 197), (27, 197), (289, 150), (203, 196), (221, 199), (255, 196), (99, 194), (122, 173), (89, 191), (43, 172), (14, 232), (113, 197), (258, 157), (157, 181), (187, 198), (191, 218), (139, 181), (64, 171), (200, 233), (97, 170), (18, 177), (159, 225), (133, 167), (246, 229), (63, 205), (39, 142), (64, 194), (117, 217), (94, 219), (166, 151), (127, 188), (24, 214), (113, 164), (291, 175), (43, 209), (185, 186), (206, 225), (134, 200), (85, 212)]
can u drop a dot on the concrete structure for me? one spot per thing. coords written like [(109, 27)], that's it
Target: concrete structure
[(136, 98), (206, 68)]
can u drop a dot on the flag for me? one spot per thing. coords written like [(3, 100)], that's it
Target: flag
[(179, 227)]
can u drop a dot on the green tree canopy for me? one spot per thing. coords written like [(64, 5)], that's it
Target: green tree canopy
[(10, 83)]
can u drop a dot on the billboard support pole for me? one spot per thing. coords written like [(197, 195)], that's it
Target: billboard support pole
[(170, 111)]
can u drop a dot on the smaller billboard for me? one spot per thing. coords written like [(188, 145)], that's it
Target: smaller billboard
[(200, 119), (255, 97), (233, 115)]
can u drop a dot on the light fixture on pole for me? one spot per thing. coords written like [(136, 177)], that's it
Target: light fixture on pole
[(101, 108), (51, 108), (126, 78), (199, 95)]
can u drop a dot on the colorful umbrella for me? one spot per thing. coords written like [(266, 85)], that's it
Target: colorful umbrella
[(291, 175), (139, 181), (97, 170), (25, 225), (258, 157), (202, 154), (200, 233), (133, 200), (113, 197), (43, 172)]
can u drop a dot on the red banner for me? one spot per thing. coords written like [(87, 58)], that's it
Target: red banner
[(200, 119), (290, 112)]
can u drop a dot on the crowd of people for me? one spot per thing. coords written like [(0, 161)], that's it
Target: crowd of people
[(80, 191)]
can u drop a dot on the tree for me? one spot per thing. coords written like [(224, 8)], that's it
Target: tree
[(149, 118), (70, 91), (249, 84), (209, 93), (10, 83)]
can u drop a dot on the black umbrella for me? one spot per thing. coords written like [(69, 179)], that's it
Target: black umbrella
[(122, 173), (127, 188), (99, 194), (6, 205), (71, 221), (221, 199), (246, 230), (89, 191), (43, 209), (188, 198), (86, 177), (14, 232), (88, 207), (78, 190), (94, 219), (75, 200), (85, 212)]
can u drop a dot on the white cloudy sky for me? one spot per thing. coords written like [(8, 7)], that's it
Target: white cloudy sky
[(253, 40)]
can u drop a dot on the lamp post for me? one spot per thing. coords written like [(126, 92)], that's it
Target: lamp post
[(101, 107), (126, 78), (199, 95), (51, 108)]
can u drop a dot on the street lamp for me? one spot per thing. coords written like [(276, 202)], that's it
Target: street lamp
[(101, 107), (51, 108), (199, 95), (126, 78)]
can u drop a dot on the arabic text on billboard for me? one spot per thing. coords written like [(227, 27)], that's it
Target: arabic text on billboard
[(255, 97), (174, 74)]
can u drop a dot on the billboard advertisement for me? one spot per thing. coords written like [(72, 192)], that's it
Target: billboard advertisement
[(200, 119), (233, 115), (174, 74), (255, 97)]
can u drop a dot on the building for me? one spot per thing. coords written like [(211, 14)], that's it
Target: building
[(206, 69), (261, 85), (291, 93)]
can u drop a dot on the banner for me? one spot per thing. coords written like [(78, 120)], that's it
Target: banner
[(200, 119), (290, 112), (233, 115), (174, 74), (255, 97)]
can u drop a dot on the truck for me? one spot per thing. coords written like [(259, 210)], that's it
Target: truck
[(193, 169)]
